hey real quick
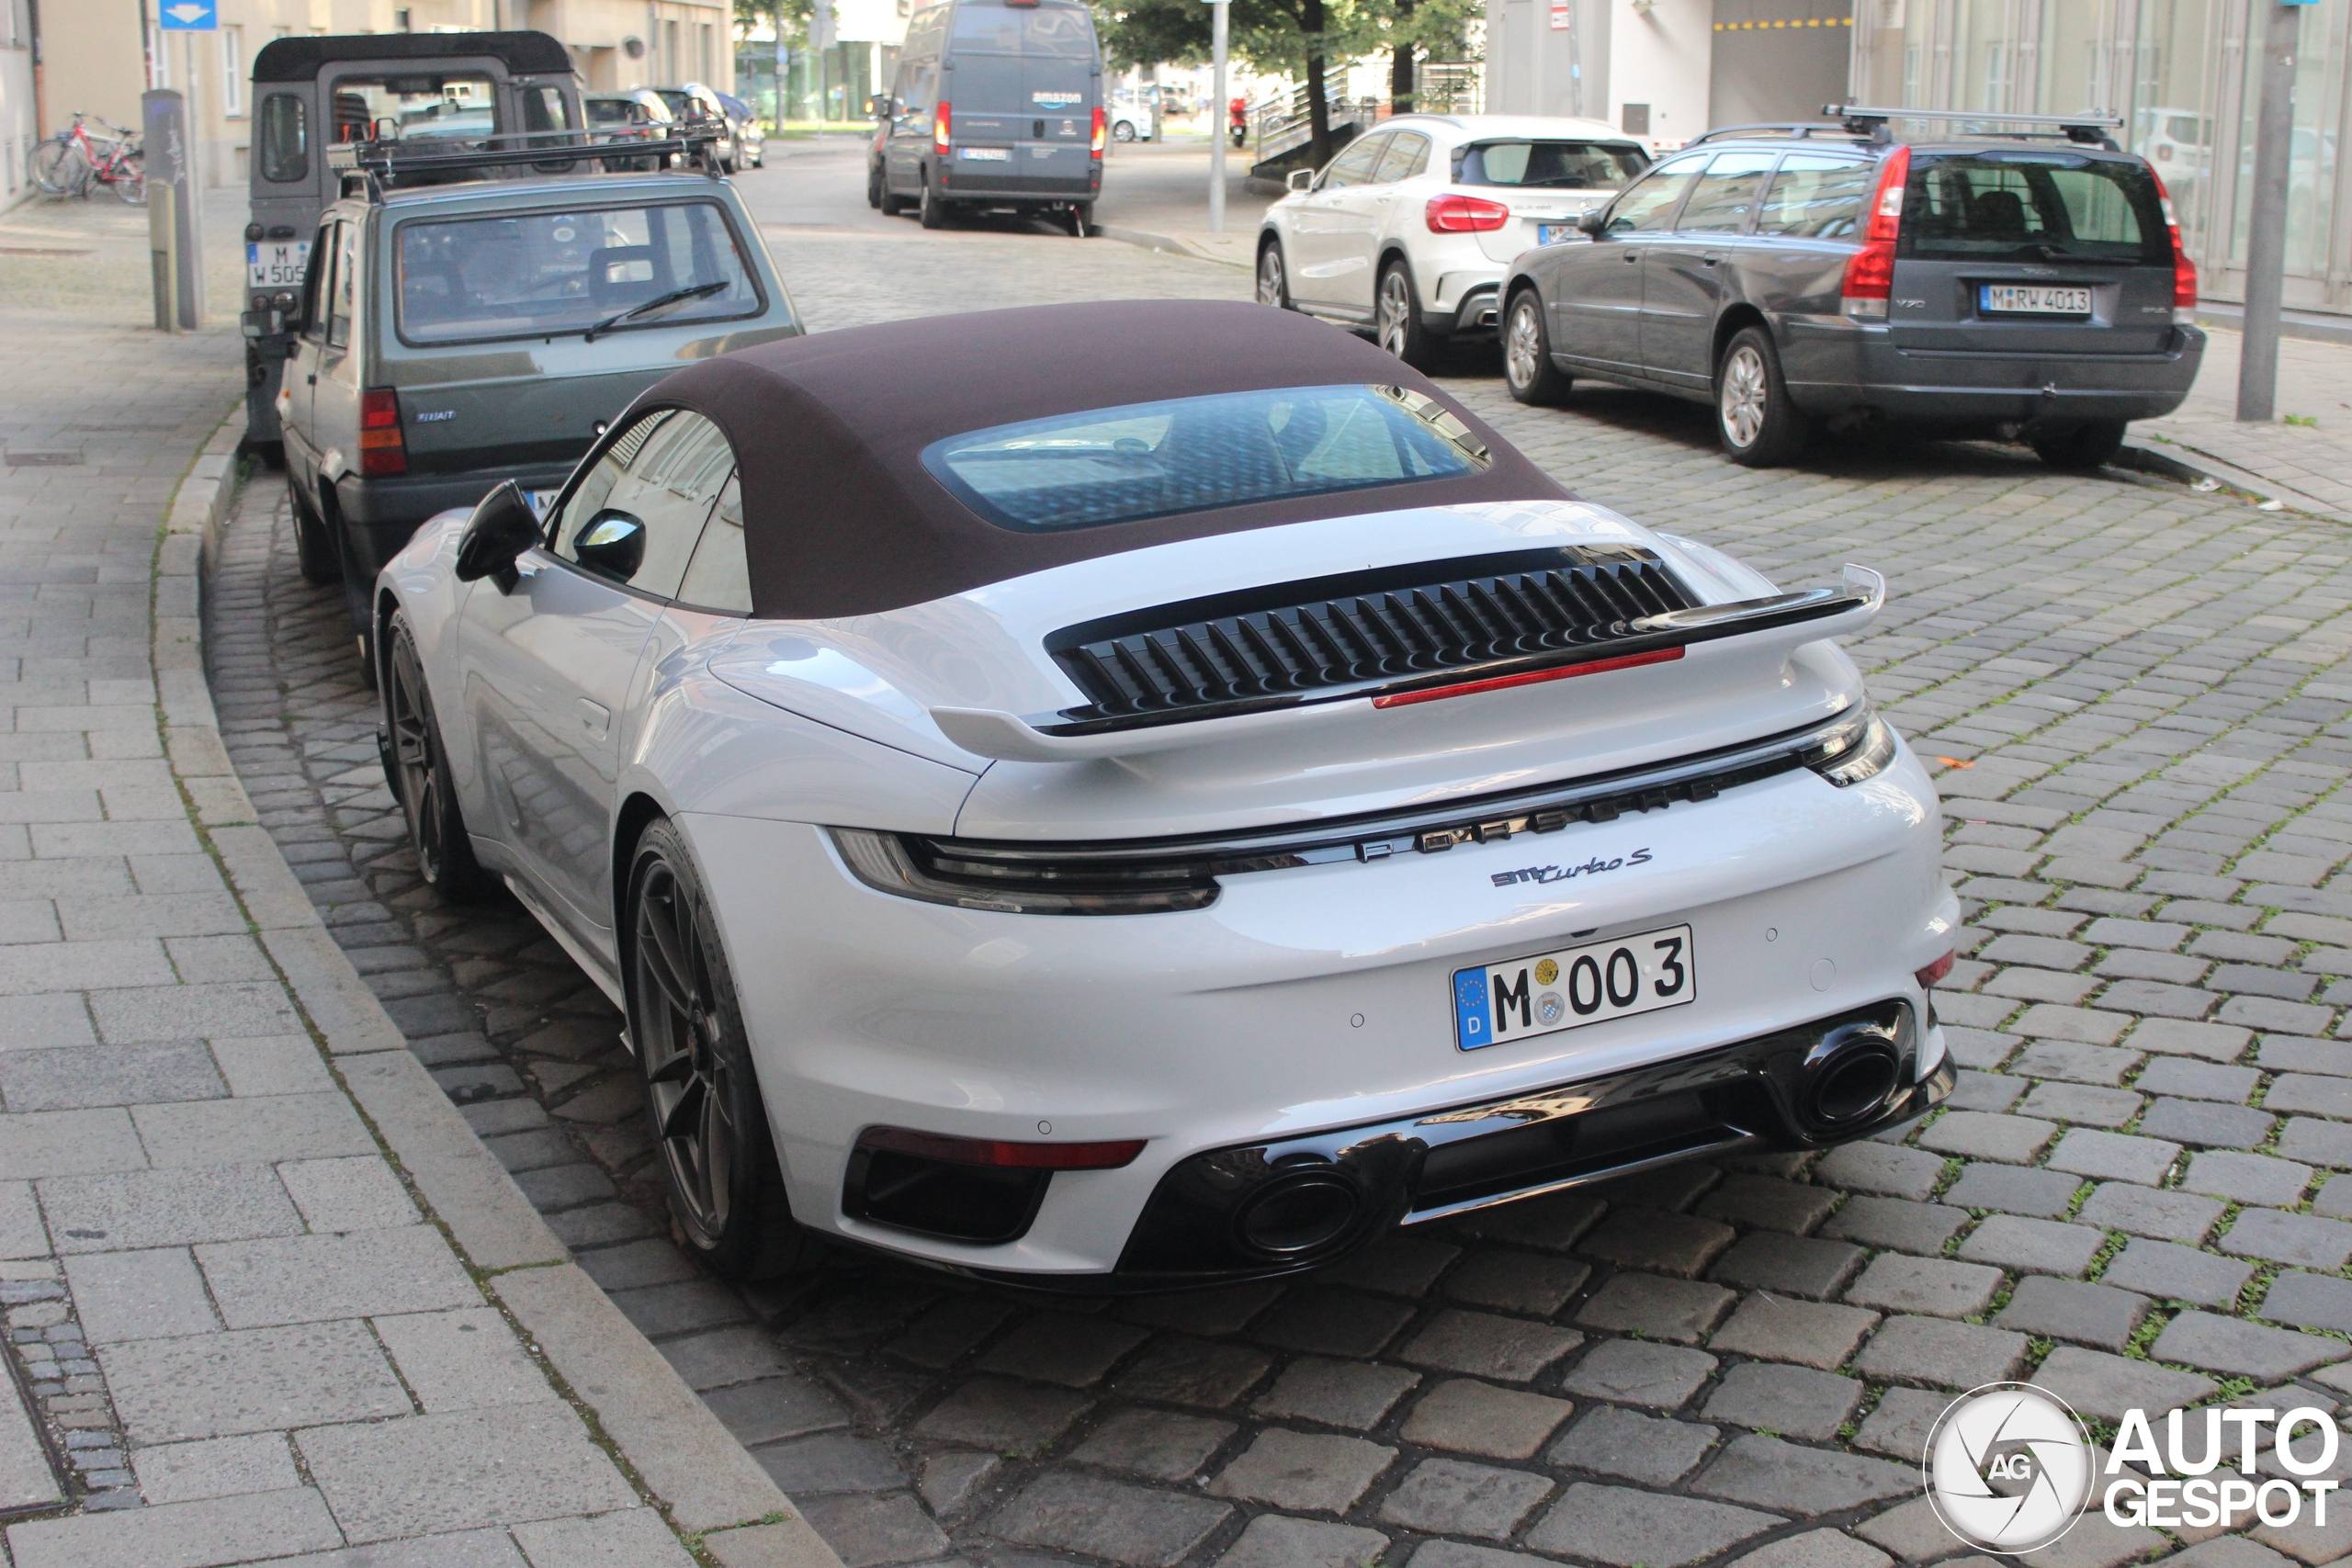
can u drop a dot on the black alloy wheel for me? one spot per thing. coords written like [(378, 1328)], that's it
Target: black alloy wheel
[(1528, 368), (1273, 276), (416, 766), (1758, 424), (314, 545), (2083, 449), (702, 1095)]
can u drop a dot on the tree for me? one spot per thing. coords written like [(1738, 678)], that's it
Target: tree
[(1439, 28), (1293, 37)]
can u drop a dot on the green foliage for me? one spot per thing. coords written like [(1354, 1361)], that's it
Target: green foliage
[(788, 18)]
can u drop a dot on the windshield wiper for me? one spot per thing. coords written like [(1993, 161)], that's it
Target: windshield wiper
[(675, 297)]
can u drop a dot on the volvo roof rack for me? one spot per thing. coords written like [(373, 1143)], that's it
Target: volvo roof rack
[(376, 163), (1799, 129), (2089, 127)]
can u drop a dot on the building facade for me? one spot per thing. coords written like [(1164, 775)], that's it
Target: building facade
[(2183, 76), (93, 58), (19, 120), (1666, 70)]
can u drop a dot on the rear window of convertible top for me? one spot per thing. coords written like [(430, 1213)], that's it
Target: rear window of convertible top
[(1123, 465)]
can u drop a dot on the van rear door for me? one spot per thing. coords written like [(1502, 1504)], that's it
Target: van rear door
[(1061, 83), (2032, 251)]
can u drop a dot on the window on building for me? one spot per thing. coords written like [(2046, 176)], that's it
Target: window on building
[(232, 72)]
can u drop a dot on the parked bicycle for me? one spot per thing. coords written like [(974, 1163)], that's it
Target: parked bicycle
[(73, 159)]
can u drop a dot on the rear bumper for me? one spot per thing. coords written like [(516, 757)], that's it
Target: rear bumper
[(1836, 367)]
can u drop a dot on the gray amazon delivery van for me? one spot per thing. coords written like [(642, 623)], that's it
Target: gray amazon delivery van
[(997, 106)]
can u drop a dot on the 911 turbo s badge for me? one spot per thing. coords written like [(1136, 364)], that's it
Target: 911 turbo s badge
[(1561, 873)]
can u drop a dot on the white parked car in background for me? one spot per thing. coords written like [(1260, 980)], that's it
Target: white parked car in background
[(1411, 228)]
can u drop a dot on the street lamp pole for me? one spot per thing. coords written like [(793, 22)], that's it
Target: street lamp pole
[(1220, 113), (2266, 240)]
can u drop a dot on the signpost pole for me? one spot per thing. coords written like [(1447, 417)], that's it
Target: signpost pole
[(1221, 115), (171, 129), (2265, 239)]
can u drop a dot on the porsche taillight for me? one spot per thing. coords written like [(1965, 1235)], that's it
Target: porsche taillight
[(1098, 130), (1452, 214), (942, 122), (1869, 270), (381, 451), (2184, 271)]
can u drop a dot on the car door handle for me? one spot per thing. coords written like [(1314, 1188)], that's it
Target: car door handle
[(1632, 257), (595, 717), (1711, 258), (311, 379)]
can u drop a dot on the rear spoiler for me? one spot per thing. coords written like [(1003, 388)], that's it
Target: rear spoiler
[(1806, 616)]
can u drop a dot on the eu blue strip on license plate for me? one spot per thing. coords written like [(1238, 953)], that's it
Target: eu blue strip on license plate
[(1553, 234)]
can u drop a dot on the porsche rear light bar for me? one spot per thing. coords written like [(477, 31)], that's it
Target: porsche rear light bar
[(1869, 270), (1534, 677), (1167, 876), (382, 449)]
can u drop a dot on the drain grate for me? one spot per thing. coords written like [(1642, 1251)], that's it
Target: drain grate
[(45, 457)]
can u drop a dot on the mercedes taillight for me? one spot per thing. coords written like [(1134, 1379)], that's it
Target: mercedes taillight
[(2184, 271), (942, 122), (1869, 270), (381, 451), (1463, 215)]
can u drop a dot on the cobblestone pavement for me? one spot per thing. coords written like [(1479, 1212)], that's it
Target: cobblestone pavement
[(2130, 693)]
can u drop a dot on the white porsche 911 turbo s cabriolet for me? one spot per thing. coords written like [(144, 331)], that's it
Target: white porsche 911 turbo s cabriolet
[(1126, 844)]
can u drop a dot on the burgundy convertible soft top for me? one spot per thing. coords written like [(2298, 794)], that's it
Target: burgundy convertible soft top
[(842, 518)]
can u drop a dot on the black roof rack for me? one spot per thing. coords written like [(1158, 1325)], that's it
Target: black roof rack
[(2088, 127), (376, 163), (298, 58), (1800, 129)]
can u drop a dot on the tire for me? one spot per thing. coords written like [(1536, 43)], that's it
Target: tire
[(1528, 368), (1081, 219), (1397, 317), (130, 184), (2083, 449), (874, 197), (313, 546), (930, 211), (1758, 424), (1123, 131), (1273, 276), (416, 765), (55, 167), (702, 1094)]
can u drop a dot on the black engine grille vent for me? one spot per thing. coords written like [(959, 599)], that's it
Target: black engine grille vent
[(1425, 618)]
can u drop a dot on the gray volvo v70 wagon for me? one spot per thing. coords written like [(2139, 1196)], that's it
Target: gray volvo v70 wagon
[(455, 336), (2026, 286)]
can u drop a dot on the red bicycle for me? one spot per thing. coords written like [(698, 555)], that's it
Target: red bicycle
[(70, 161)]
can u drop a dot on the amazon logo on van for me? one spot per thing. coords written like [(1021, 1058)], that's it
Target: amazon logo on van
[(1056, 100)]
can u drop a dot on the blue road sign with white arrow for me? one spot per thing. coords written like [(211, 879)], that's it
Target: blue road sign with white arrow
[(191, 16)]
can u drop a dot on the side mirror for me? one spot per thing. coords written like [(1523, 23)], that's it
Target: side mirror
[(613, 545), (502, 529), (1301, 179), (1594, 222), (878, 107)]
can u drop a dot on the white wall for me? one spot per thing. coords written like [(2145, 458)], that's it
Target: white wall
[(1663, 59), (18, 130)]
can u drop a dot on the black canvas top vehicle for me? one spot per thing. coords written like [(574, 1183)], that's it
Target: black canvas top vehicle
[(2022, 283), (997, 106)]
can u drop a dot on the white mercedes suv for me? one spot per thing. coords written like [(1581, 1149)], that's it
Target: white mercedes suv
[(1410, 230)]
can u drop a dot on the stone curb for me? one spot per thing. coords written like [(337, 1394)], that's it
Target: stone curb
[(685, 1457), (2176, 461), (1151, 241)]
